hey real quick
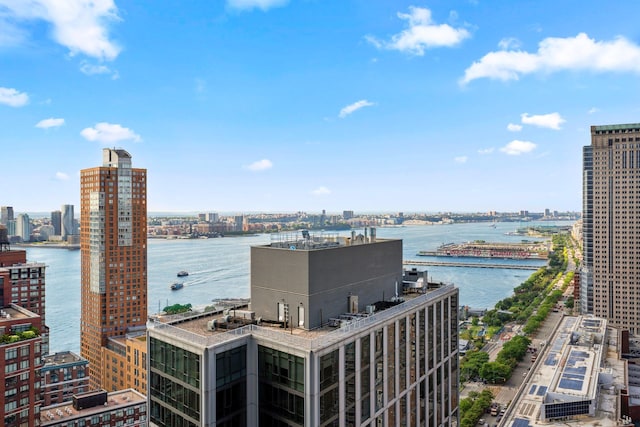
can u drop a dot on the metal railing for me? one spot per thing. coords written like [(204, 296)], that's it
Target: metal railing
[(297, 341)]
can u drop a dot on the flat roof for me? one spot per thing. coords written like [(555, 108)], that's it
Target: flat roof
[(12, 312), (62, 358), (197, 329), (567, 369), (65, 412), (312, 240), (617, 127)]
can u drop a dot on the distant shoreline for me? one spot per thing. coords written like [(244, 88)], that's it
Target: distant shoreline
[(69, 246)]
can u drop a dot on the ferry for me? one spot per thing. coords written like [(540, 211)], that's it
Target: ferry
[(182, 273), (176, 286)]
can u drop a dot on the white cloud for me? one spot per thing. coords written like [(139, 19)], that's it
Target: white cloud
[(321, 191), (62, 176), (354, 107), (593, 110), (551, 120), (422, 33), (515, 147), (461, 159), (513, 127), (260, 165), (80, 25), (486, 150), (92, 69), (255, 4), (12, 97), (509, 43), (50, 123), (557, 54), (108, 133)]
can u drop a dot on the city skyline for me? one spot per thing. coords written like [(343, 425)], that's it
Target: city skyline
[(282, 106)]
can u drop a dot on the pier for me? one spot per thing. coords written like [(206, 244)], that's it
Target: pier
[(472, 265)]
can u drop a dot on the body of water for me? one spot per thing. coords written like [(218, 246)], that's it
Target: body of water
[(219, 268)]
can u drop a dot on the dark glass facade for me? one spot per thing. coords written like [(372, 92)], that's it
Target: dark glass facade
[(281, 388), (174, 382), (329, 382), (231, 387)]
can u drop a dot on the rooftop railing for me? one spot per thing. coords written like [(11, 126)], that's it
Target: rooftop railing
[(292, 340)]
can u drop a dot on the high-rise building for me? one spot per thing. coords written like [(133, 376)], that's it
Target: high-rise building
[(6, 214), (333, 336), (212, 217), (23, 227), (586, 266), (23, 283), (240, 222), (67, 222), (20, 363), (113, 244), (610, 277), (56, 221)]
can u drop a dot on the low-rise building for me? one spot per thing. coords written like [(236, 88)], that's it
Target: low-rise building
[(579, 377), (124, 362), (98, 408), (64, 374)]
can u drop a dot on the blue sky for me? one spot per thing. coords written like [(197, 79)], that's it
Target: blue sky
[(287, 105)]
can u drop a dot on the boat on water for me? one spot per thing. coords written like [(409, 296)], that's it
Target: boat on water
[(177, 285), (182, 273)]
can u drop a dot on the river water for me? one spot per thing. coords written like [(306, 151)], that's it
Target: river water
[(219, 268)]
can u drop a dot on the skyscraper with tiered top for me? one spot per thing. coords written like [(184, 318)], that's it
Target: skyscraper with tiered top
[(113, 243)]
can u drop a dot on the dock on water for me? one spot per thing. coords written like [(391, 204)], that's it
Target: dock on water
[(472, 265), (482, 249)]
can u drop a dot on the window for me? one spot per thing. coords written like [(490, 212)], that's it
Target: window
[(10, 353)]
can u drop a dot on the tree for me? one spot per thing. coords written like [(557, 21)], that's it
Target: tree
[(569, 302), (471, 364), (495, 372), (177, 308)]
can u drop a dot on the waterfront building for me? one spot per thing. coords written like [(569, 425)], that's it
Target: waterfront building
[(23, 227), (610, 275), (6, 214), (64, 375), (98, 408), (11, 228), (46, 231), (20, 361), (23, 283), (332, 336), (67, 222), (347, 215), (113, 245), (240, 222), (579, 378), (212, 217), (56, 221), (203, 228)]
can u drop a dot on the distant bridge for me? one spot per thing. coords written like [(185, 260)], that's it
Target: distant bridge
[(472, 265)]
